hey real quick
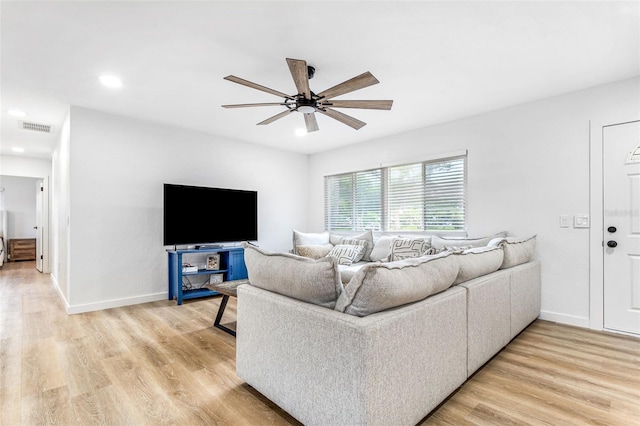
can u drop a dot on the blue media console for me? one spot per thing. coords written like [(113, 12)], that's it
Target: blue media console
[(231, 265)]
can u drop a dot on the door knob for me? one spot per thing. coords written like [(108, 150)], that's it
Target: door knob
[(612, 244), (612, 229)]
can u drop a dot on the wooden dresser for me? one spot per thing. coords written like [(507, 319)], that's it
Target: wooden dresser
[(22, 249)]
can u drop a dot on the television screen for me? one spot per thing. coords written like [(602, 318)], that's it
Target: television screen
[(201, 215)]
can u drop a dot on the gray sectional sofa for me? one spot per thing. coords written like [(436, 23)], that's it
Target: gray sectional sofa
[(379, 350)]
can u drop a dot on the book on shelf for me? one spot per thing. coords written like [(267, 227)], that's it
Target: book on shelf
[(187, 267)]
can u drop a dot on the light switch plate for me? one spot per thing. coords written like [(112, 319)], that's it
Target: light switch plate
[(565, 221), (581, 221)]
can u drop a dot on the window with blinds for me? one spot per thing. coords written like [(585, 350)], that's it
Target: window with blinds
[(354, 201), (426, 196)]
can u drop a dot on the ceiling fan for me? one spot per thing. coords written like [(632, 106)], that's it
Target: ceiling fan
[(308, 103)]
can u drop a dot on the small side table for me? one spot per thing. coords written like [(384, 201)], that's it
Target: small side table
[(227, 288)]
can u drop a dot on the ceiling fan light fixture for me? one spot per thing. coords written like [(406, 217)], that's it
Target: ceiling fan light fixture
[(306, 109)]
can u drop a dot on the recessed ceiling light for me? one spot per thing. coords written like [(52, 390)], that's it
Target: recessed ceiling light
[(17, 149), (16, 113), (110, 81), (301, 132)]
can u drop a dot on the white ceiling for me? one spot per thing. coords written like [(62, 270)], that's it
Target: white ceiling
[(438, 61)]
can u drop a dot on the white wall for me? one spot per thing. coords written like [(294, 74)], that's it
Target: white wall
[(118, 167), (60, 210), (20, 203), (17, 165), (527, 165)]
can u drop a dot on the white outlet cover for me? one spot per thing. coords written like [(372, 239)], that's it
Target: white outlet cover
[(565, 221)]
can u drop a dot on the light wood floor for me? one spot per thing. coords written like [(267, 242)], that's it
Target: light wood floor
[(158, 363)]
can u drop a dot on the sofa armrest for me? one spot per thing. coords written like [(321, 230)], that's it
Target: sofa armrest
[(327, 367)]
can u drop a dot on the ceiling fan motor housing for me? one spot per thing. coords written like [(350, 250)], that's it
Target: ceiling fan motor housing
[(306, 106)]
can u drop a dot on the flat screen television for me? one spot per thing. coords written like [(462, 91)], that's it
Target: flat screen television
[(197, 215)]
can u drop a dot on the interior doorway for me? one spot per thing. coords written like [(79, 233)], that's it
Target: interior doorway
[(26, 207)]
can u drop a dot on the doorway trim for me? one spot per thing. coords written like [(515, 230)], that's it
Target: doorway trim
[(46, 217), (596, 207)]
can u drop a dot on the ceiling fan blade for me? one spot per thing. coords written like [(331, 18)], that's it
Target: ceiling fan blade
[(359, 104), (363, 80), (256, 86), (343, 118), (253, 105), (311, 122), (300, 76), (276, 117)]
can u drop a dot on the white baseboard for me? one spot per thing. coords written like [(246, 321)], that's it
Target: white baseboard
[(57, 287), (115, 303), (565, 319)]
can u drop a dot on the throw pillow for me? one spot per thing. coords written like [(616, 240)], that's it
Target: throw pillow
[(381, 248), (380, 286), (346, 254), (309, 239), (517, 251), (314, 251), (309, 280), (478, 261), (405, 248), (366, 235)]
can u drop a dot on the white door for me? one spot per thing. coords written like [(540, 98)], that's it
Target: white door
[(39, 227), (621, 180)]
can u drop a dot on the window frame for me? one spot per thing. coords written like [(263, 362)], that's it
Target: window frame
[(331, 217)]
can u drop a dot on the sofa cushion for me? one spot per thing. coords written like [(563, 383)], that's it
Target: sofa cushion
[(439, 242), (348, 271), (406, 248), (367, 236), (516, 250), (478, 261), (346, 254), (309, 239), (314, 251), (309, 280), (380, 286)]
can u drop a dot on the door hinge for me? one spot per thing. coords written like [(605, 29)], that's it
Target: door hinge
[(41, 257), (41, 189)]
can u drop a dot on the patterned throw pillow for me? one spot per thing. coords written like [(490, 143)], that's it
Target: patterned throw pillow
[(354, 242), (406, 248), (346, 254), (366, 235)]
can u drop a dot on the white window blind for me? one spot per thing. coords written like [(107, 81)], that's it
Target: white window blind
[(445, 195), (422, 196), (405, 198), (353, 201)]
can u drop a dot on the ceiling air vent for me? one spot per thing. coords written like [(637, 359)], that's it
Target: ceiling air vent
[(36, 127)]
